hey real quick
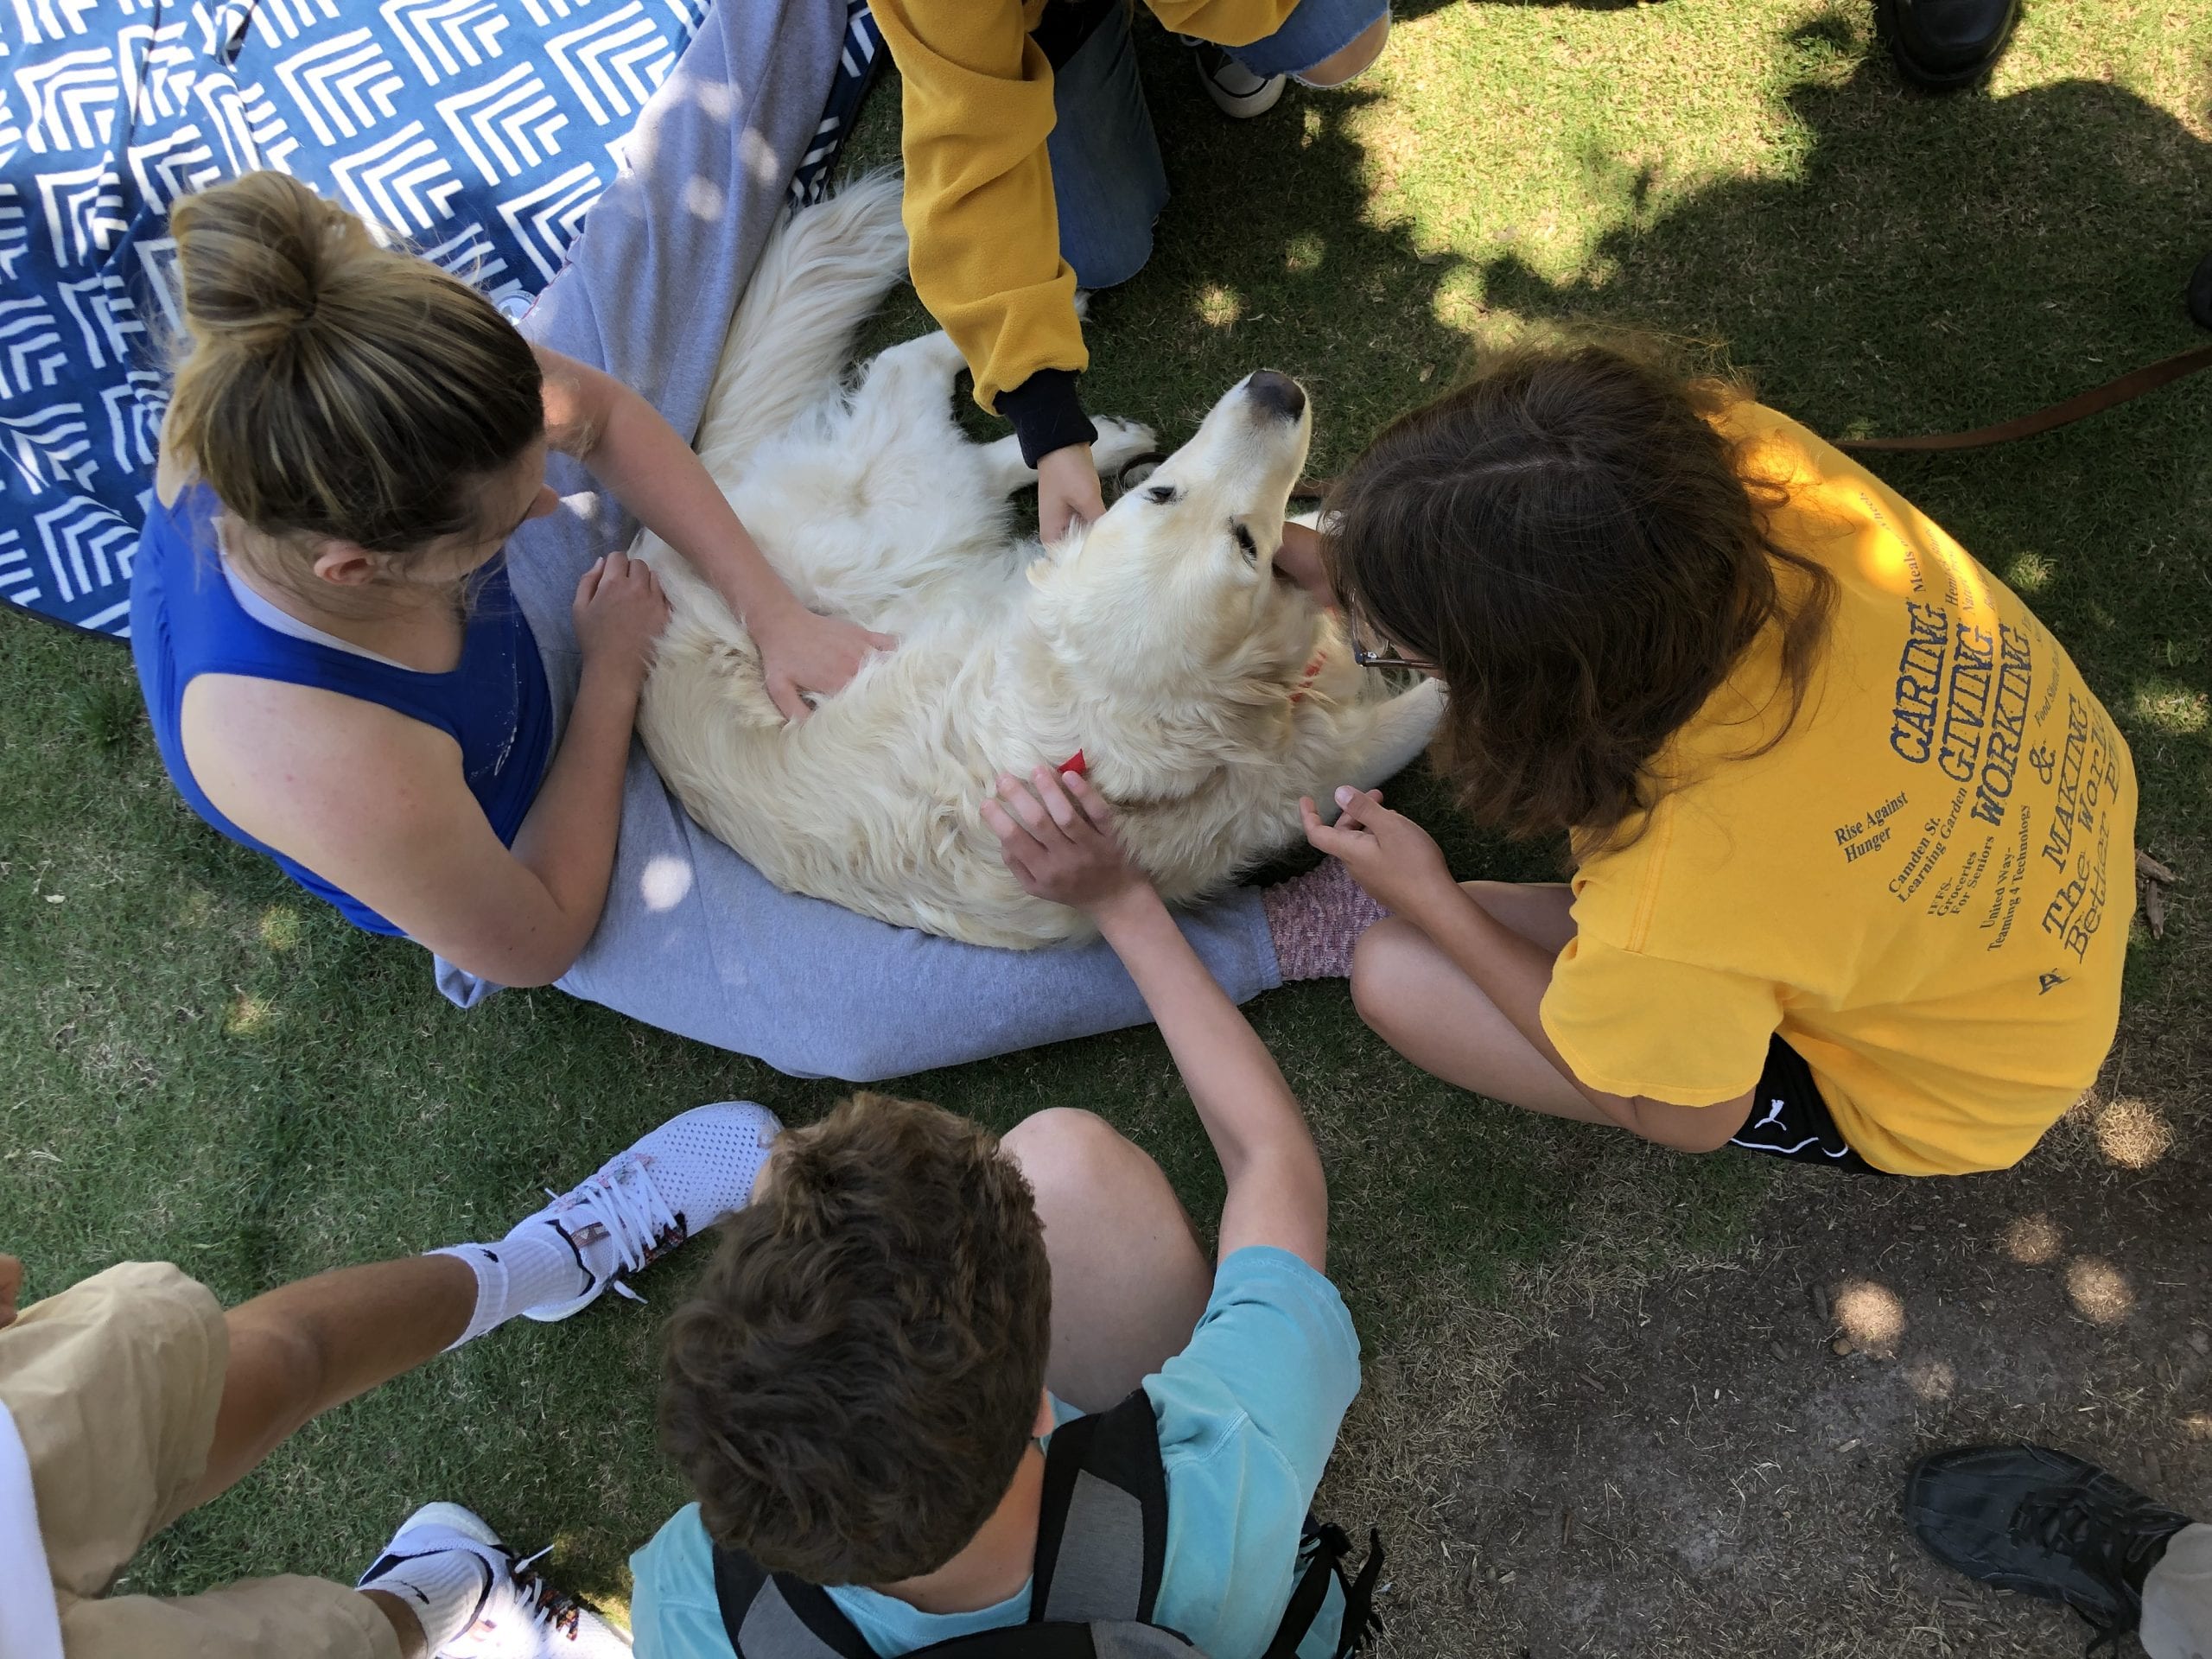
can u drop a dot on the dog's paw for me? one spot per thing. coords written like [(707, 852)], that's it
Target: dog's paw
[(1119, 442)]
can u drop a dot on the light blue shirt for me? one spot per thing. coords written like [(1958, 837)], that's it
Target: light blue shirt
[(1248, 1414)]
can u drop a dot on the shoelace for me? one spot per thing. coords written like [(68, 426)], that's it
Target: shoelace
[(637, 1220), (554, 1609), (2058, 1522)]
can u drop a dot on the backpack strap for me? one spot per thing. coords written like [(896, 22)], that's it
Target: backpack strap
[(775, 1615), (1330, 1547), (1115, 1640), (1101, 1524)]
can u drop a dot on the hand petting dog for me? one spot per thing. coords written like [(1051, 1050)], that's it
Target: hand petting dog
[(1057, 834), (1394, 858), (803, 652), (1068, 491)]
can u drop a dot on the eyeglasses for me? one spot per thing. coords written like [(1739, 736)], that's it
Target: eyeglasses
[(1368, 654)]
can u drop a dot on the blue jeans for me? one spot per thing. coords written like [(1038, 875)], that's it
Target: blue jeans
[(1108, 178)]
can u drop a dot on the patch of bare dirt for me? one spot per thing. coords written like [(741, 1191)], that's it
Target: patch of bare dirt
[(1708, 1460)]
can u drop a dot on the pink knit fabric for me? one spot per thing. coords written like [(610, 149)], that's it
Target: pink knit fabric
[(1316, 918)]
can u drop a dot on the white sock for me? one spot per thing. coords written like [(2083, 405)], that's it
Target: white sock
[(443, 1589), (534, 1263)]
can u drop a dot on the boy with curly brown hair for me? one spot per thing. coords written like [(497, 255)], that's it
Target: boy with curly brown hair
[(896, 1391)]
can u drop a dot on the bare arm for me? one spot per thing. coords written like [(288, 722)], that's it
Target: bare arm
[(376, 803), (1060, 842), (1398, 863), (639, 456)]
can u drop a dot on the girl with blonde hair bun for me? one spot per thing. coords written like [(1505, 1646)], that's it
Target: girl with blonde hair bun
[(336, 674), (376, 647)]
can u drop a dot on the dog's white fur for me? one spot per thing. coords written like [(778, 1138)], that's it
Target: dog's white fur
[(1154, 642)]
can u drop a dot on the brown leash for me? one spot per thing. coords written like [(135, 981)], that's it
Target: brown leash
[(2094, 401)]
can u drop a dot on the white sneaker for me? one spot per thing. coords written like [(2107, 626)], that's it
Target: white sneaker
[(1236, 91), (678, 1181), (519, 1616)]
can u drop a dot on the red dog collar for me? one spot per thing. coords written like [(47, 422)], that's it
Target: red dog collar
[(1076, 764)]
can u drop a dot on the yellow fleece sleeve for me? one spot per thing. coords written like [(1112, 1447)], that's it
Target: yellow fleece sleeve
[(981, 219)]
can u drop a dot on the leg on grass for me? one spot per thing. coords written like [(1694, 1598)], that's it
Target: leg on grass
[(1128, 1278), (1419, 1001), (306, 1347)]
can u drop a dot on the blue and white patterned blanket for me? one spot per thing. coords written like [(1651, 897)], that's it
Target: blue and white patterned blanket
[(479, 130)]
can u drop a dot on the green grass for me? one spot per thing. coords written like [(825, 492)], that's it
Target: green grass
[(199, 1065)]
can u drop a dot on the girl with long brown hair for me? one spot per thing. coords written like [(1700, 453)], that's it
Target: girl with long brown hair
[(1852, 840)]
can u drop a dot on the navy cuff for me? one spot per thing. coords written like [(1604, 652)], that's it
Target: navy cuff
[(1046, 414)]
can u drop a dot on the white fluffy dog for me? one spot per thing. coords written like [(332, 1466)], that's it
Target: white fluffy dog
[(1204, 696)]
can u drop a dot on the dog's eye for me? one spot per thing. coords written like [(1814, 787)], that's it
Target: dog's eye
[(1244, 540), (1160, 494)]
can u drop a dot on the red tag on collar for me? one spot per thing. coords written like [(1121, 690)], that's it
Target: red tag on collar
[(1076, 764)]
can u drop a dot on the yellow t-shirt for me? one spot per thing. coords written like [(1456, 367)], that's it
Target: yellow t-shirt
[(1924, 887)]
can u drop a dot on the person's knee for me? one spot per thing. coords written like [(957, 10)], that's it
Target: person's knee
[(1383, 973), (1082, 1169), (1065, 1146), (1343, 64), (851, 1048), (1107, 256)]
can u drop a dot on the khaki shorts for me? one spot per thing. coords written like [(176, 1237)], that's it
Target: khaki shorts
[(114, 1386)]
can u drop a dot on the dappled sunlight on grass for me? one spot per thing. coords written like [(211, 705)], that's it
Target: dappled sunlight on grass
[(2032, 1240), (2099, 1290), (2029, 573), (248, 1016), (2133, 1134), (1218, 307), (2179, 711), (1871, 1313)]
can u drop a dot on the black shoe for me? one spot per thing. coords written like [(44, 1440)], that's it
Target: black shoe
[(2200, 295), (1945, 43), (2027, 1518)]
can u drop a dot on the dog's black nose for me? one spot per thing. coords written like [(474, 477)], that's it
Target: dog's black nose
[(1278, 392)]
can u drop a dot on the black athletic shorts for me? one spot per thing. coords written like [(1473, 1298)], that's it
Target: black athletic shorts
[(1790, 1120)]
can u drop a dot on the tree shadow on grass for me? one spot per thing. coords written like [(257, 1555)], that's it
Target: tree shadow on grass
[(1943, 263)]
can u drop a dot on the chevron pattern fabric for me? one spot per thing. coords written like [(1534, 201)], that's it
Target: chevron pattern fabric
[(479, 131), (857, 67)]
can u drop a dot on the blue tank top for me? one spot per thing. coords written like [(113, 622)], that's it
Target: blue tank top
[(185, 621)]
